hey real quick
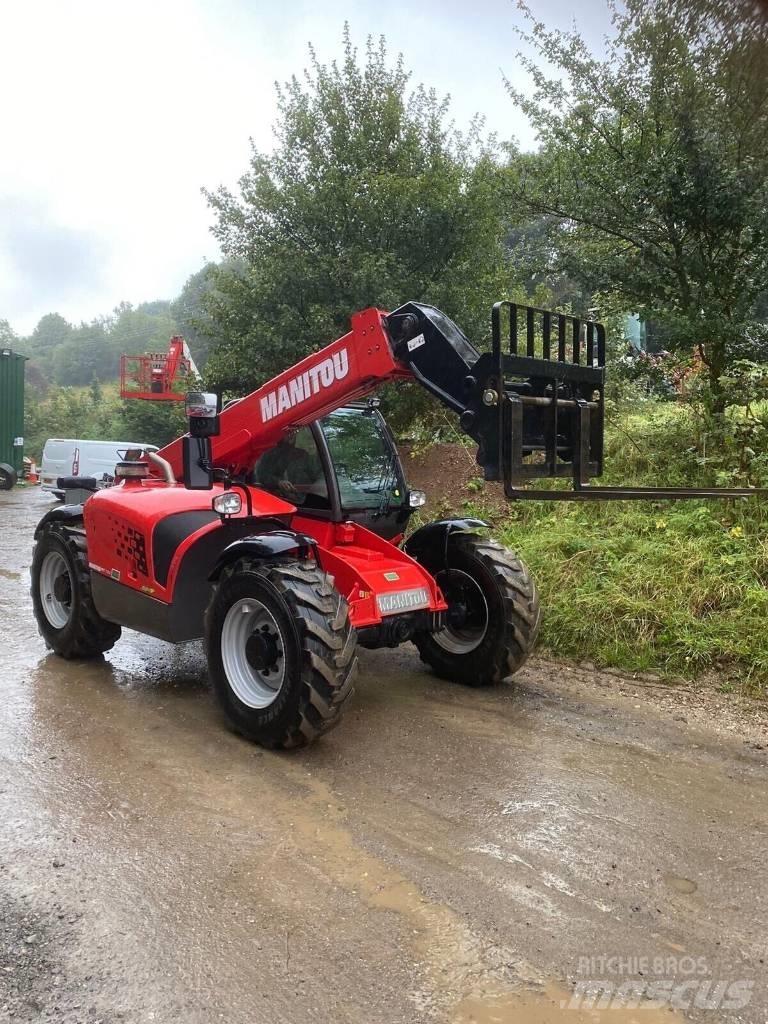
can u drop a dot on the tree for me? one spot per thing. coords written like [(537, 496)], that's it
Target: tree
[(189, 310), (368, 198), (654, 168), (52, 330), (151, 422), (133, 331), (77, 356), (85, 355), (8, 337)]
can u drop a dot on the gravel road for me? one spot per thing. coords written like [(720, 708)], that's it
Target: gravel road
[(446, 855)]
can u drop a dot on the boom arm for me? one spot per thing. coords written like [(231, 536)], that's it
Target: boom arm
[(349, 368), (416, 342), (534, 404)]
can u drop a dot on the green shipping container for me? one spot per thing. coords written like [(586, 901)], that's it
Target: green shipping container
[(12, 409)]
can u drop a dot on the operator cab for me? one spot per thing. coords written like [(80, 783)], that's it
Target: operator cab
[(343, 467)]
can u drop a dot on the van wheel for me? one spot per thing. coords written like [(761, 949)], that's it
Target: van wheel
[(8, 477)]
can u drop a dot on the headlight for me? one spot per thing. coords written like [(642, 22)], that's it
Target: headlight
[(227, 504), (402, 601), (416, 499)]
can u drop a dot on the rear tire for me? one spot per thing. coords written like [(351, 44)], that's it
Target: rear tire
[(61, 594), (8, 477), (281, 651), (493, 614)]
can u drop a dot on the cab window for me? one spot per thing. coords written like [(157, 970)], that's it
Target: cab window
[(363, 458), (293, 470)]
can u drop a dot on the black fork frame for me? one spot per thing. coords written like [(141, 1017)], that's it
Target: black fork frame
[(535, 405), (569, 388)]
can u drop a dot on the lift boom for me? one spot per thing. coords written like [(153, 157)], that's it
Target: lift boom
[(349, 368), (158, 376), (534, 404)]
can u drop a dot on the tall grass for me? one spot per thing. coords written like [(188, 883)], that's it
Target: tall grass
[(671, 587)]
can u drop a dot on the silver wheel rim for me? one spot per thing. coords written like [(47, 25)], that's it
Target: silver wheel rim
[(250, 637), (465, 638), (56, 608)]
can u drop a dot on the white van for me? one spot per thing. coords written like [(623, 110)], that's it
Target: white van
[(68, 457)]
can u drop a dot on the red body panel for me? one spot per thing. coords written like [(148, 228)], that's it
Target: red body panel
[(366, 566), (120, 522)]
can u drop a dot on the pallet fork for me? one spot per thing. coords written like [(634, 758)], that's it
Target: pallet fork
[(534, 404)]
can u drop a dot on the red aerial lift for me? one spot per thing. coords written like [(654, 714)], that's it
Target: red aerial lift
[(275, 529), (158, 376)]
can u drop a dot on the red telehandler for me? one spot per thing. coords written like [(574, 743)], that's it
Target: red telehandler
[(274, 528)]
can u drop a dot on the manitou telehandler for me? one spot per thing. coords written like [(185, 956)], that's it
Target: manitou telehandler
[(275, 529)]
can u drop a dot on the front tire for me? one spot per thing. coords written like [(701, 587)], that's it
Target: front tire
[(493, 613), (281, 651), (61, 595)]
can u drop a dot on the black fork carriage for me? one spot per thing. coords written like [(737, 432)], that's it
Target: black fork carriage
[(535, 404)]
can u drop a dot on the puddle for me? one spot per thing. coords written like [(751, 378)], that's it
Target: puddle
[(679, 884), (455, 960)]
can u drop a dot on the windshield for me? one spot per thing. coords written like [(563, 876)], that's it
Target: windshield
[(365, 462)]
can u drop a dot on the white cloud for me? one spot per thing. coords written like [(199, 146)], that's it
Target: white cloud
[(115, 115)]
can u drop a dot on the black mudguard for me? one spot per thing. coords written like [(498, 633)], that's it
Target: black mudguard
[(60, 514), (267, 547), (429, 544)]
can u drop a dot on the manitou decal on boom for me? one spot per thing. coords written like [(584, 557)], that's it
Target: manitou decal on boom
[(300, 389)]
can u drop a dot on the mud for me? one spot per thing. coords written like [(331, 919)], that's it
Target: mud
[(462, 857)]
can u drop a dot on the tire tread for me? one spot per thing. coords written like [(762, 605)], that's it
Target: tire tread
[(327, 642), (91, 635), (522, 617)]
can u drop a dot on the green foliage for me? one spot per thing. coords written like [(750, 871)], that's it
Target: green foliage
[(368, 198), (653, 171), (62, 354), (52, 332), (677, 588), (98, 413), (654, 374), (152, 422), (8, 337)]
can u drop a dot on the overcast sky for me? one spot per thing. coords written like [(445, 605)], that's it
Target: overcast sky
[(114, 115)]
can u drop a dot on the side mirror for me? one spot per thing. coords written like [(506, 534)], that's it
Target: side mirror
[(196, 460), (416, 499), (202, 409)]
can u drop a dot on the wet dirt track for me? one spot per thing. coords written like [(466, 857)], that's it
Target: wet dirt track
[(445, 855)]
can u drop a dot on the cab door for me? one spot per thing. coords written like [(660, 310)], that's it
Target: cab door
[(366, 477)]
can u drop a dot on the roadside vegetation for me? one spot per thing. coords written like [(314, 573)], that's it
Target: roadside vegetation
[(647, 195), (673, 588), (98, 412)]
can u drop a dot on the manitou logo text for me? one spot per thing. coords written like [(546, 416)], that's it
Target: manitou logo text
[(301, 388)]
